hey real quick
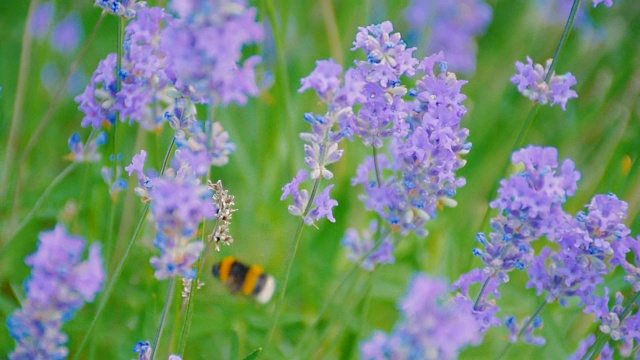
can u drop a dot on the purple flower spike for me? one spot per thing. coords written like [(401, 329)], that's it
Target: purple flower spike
[(530, 80), (60, 283), (432, 326), (452, 27), (325, 79)]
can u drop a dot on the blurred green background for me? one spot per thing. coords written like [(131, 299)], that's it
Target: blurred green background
[(600, 131)]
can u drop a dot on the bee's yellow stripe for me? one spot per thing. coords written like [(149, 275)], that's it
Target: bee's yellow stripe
[(225, 268), (251, 280)]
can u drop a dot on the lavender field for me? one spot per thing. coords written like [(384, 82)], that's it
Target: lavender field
[(274, 179)]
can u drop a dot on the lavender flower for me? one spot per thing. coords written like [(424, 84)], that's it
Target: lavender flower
[(452, 27), (206, 50), (432, 326), (531, 82), (530, 205), (607, 3), (125, 8), (86, 153), (382, 113), (179, 204), (422, 178), (59, 285), (585, 255), (41, 20), (145, 84), (362, 248), (203, 149), (67, 34)]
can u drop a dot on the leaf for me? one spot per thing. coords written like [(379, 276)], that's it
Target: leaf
[(254, 354)]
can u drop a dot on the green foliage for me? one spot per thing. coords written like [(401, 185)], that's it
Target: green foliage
[(330, 307)]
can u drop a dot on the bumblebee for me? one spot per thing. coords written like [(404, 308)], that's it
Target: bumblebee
[(250, 280)]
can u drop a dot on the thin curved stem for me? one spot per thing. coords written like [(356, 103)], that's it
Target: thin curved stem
[(163, 317), (290, 257), (18, 103), (522, 329), (63, 174), (111, 285), (376, 165), (48, 116)]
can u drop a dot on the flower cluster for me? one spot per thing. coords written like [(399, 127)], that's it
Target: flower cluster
[(530, 206), (60, 283), (452, 27), (422, 177), (179, 203), (532, 83), (586, 252), (432, 326), (206, 44), (143, 79), (124, 8)]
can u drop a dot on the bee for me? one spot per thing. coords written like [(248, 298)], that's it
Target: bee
[(250, 280)]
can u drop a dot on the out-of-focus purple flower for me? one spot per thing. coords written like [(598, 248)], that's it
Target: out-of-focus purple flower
[(607, 3), (125, 8), (432, 326), (361, 248), (41, 20), (324, 79), (67, 34), (60, 283), (86, 152), (605, 354), (205, 46), (451, 27), (527, 336), (115, 182), (145, 351), (530, 80)]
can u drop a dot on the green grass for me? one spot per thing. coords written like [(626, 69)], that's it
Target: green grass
[(319, 319)]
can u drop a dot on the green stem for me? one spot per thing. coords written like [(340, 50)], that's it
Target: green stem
[(334, 292), (375, 164), (602, 338), (563, 39), (529, 121), (290, 257), (111, 285), (163, 317), (46, 119), (18, 103), (38, 203), (482, 289), (184, 334), (118, 271), (524, 327)]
